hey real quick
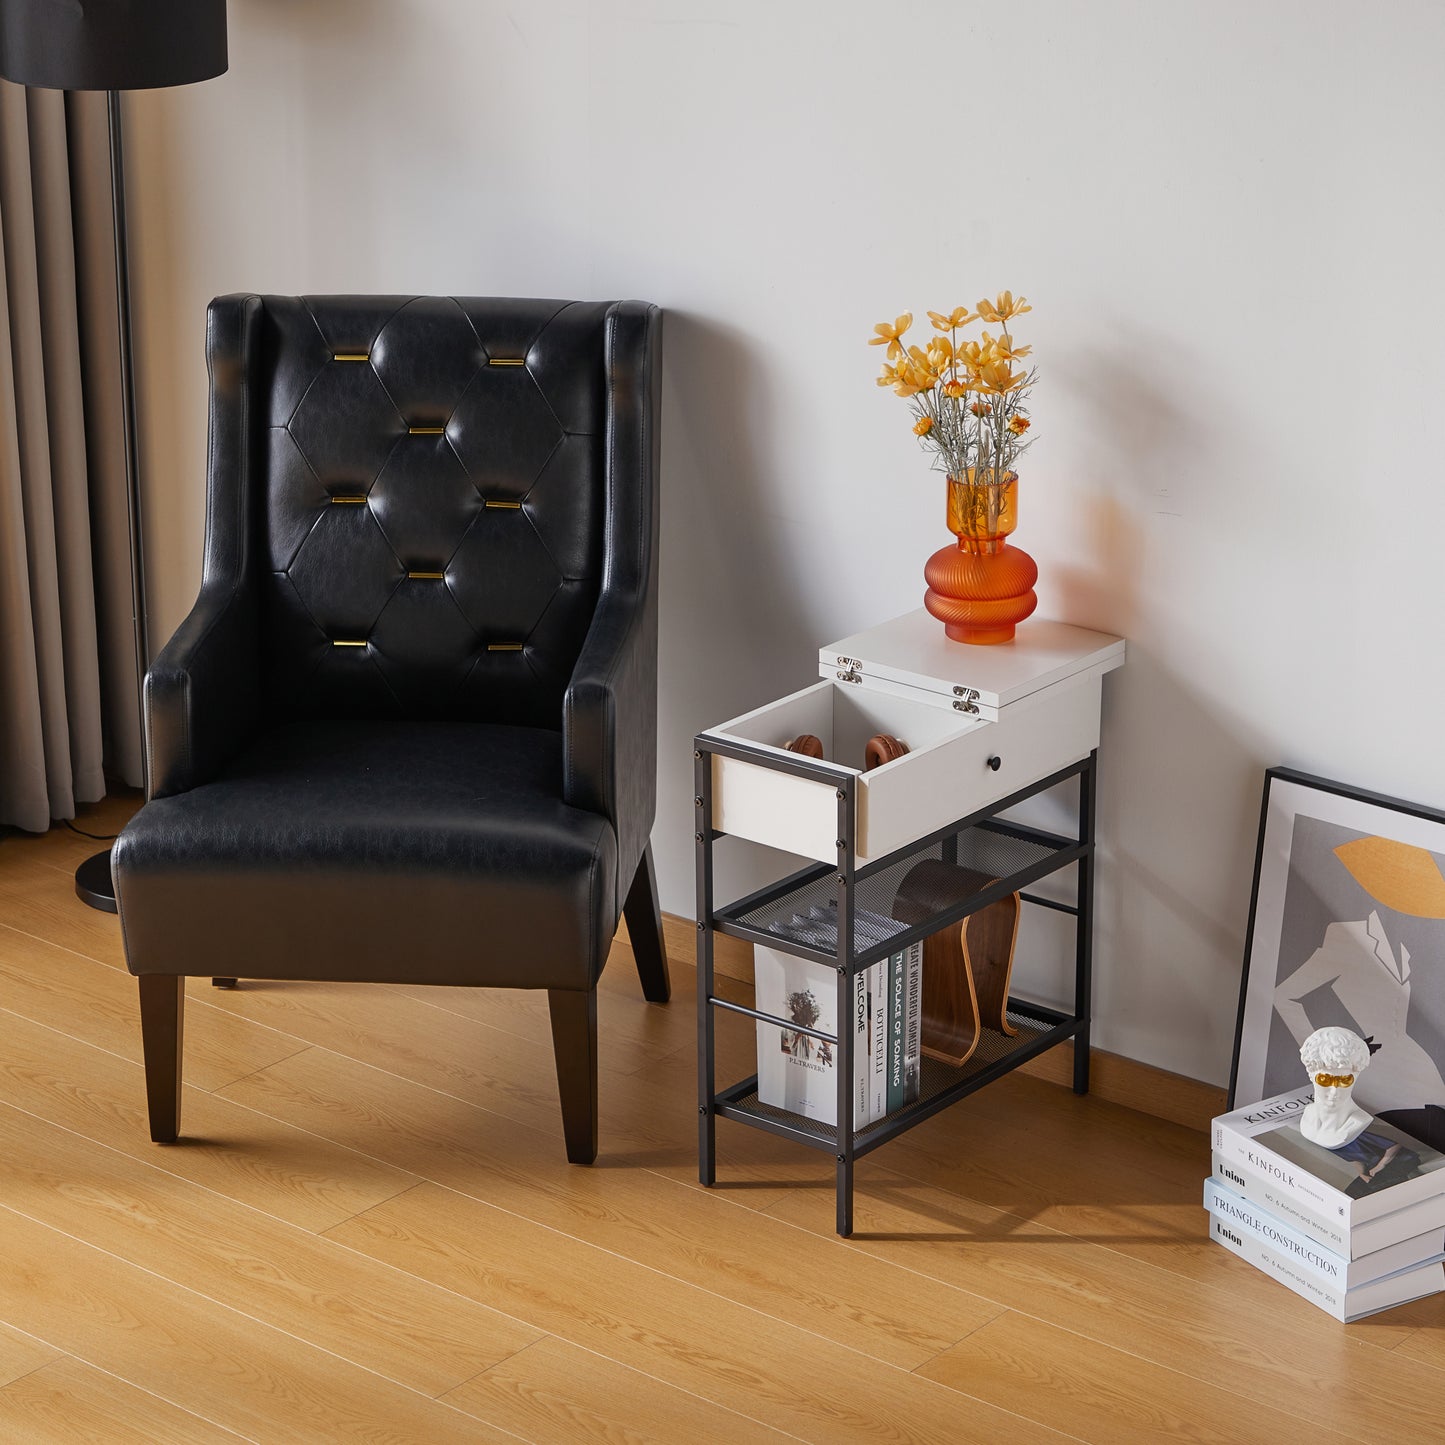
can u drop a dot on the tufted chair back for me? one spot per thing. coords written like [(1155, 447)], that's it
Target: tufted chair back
[(430, 529)]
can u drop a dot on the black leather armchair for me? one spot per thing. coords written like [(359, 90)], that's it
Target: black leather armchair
[(408, 732)]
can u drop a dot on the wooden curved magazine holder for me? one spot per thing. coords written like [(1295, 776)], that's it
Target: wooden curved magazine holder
[(967, 966)]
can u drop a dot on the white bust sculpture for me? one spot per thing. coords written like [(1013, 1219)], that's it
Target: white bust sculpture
[(1335, 1057)]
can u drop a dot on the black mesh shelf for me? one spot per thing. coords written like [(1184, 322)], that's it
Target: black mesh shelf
[(1009, 857), (940, 1084)]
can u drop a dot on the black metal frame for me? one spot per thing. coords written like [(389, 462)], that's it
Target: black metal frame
[(848, 1144)]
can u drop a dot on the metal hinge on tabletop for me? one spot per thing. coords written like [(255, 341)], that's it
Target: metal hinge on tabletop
[(965, 699), (850, 669)]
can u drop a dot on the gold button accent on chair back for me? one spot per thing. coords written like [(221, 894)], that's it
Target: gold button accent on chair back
[(504, 506), (348, 501), (351, 356), (506, 361), (426, 431), (347, 642), (426, 576), (504, 646)]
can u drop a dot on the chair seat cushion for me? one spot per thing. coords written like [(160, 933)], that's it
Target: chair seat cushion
[(417, 852)]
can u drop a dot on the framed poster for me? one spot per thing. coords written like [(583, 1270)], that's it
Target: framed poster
[(1347, 927)]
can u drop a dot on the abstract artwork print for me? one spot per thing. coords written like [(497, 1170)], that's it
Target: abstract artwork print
[(1347, 928)]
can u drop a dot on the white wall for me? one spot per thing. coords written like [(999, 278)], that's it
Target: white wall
[(1228, 216)]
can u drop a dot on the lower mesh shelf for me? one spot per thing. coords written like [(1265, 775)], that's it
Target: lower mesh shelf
[(936, 1078)]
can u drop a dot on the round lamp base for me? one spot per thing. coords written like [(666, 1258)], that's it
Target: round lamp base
[(93, 883)]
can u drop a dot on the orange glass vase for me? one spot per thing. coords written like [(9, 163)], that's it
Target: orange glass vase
[(981, 588)]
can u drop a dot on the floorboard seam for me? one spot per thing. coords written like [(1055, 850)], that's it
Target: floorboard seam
[(55, 1359), (207, 1188), (64, 1354), (304, 1049), (644, 1374), (1312, 1422), (812, 1234), (967, 1334), (242, 1314)]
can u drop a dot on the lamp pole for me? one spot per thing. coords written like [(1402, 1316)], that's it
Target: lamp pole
[(127, 386), (93, 883)]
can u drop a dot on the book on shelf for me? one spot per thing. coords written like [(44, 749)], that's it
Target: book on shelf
[(1334, 1269), (893, 1029), (1379, 1173), (878, 990), (905, 1013), (913, 1058), (798, 1072), (1344, 1304)]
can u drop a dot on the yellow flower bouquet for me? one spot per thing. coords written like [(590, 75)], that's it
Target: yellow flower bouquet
[(968, 401), (967, 397)]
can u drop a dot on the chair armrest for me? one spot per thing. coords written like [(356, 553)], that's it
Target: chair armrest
[(201, 693), (610, 725), (609, 715)]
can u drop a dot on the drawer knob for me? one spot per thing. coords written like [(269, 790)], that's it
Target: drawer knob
[(995, 763)]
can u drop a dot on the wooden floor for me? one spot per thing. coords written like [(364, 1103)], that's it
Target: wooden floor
[(370, 1233)]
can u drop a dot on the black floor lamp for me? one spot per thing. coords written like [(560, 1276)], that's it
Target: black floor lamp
[(115, 45)]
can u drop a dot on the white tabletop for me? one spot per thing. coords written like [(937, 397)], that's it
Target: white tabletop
[(914, 650)]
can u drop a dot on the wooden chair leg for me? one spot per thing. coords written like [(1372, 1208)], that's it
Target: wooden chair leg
[(574, 1041), (162, 1016), (644, 932)]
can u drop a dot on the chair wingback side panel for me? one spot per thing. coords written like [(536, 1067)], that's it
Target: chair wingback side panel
[(432, 528)]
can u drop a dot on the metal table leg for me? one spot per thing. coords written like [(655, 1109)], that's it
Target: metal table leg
[(847, 1054), (706, 1080), (1084, 926)]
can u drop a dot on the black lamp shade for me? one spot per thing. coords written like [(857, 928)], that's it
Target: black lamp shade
[(111, 44)]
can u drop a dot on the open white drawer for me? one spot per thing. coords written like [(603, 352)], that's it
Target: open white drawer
[(946, 774)]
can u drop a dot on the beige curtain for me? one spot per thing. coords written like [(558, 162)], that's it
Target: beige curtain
[(68, 709), (68, 702)]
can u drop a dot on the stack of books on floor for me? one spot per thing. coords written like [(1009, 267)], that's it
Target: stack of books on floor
[(798, 1071), (1353, 1230)]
